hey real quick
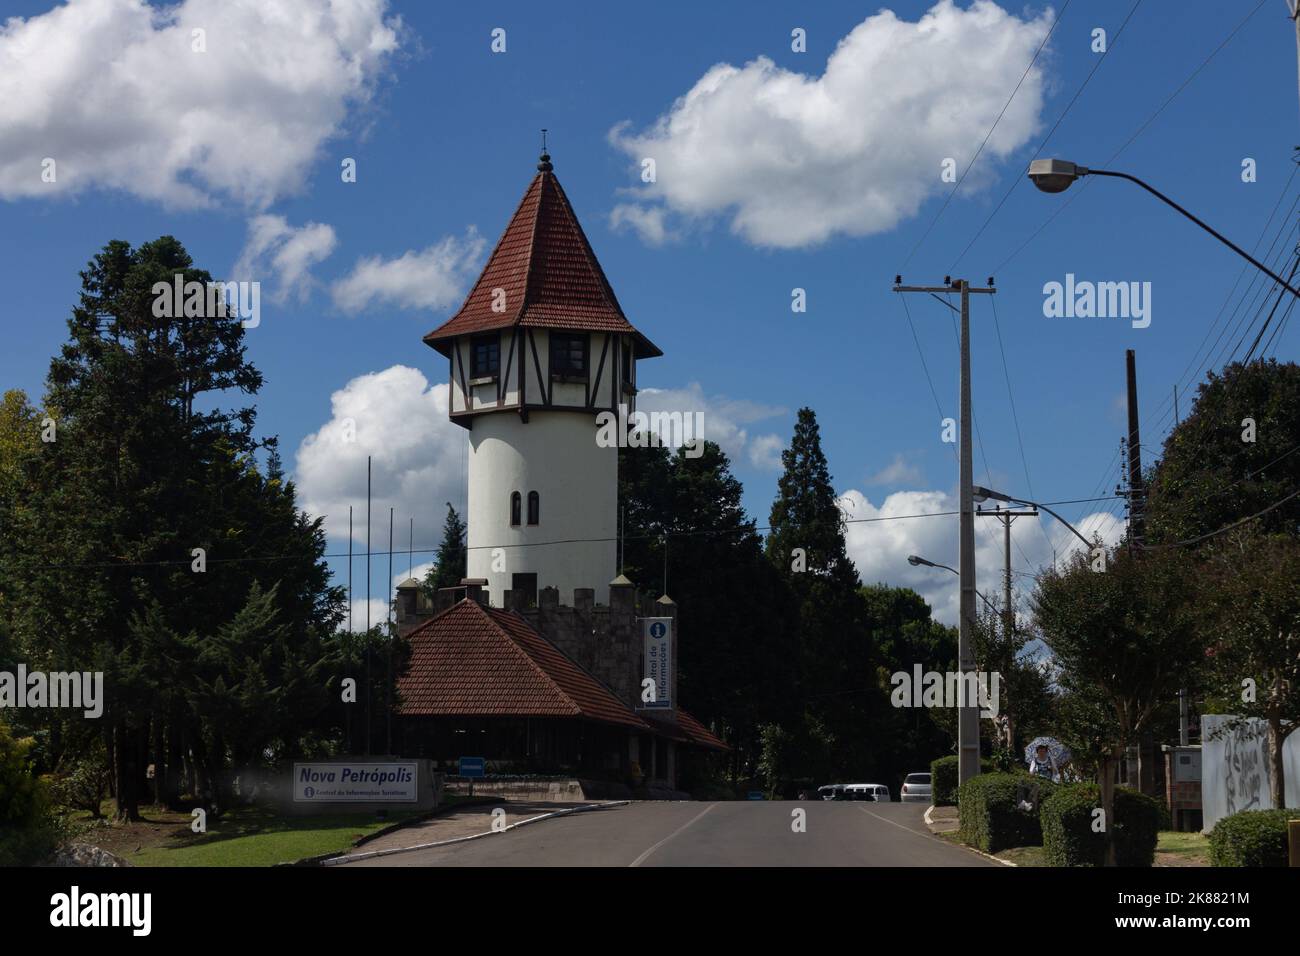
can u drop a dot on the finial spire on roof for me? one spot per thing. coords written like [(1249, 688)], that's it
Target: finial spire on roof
[(544, 162)]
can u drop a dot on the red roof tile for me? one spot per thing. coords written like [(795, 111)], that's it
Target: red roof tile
[(549, 274), (697, 733), (471, 660)]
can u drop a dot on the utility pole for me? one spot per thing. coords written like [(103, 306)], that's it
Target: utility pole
[(388, 716), (1184, 708), (1006, 516), (968, 721), (1136, 534), (1136, 494), (367, 742)]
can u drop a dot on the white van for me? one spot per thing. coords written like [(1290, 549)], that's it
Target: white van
[(865, 791)]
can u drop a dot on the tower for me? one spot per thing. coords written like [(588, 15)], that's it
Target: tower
[(538, 350)]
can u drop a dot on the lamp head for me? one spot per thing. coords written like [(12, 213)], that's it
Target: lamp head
[(1055, 175)]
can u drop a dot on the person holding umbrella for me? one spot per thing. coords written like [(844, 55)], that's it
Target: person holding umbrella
[(1046, 757)]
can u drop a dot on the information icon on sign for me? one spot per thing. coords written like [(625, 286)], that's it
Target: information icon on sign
[(657, 629)]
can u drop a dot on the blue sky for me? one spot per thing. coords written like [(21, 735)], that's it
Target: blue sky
[(781, 178)]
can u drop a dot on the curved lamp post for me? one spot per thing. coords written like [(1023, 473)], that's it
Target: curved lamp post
[(916, 560), (1057, 175), (985, 494)]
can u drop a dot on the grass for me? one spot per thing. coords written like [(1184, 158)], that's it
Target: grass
[(1172, 849), (248, 836), (1182, 849), (1024, 856)]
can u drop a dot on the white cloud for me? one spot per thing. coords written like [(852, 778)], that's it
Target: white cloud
[(114, 92), (724, 421), (418, 458), (765, 452), (880, 549), (794, 159), (378, 608), (433, 278), (275, 248), (649, 222), (898, 472)]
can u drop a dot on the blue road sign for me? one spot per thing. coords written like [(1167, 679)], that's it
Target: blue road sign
[(471, 767)]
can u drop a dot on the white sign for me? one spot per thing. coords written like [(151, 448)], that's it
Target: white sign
[(657, 633), (361, 782), (1236, 773)]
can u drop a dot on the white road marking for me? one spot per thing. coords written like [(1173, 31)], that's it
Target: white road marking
[(931, 836), (644, 856)]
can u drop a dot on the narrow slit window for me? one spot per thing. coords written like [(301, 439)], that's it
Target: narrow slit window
[(534, 507), (514, 508)]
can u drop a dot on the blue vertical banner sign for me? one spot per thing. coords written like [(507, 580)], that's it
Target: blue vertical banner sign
[(657, 641)]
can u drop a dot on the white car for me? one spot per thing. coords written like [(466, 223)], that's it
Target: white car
[(916, 787)]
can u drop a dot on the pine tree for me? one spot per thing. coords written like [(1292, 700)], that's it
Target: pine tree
[(836, 666), (450, 567), (806, 518), (152, 472)]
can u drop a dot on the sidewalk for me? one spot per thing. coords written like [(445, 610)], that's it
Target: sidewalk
[(463, 822), (941, 819)]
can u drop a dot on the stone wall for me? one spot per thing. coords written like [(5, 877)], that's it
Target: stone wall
[(604, 640)]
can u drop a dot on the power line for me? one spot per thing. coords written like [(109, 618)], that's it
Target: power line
[(1224, 530), (530, 544), (1005, 106), (1038, 151), (1140, 130)]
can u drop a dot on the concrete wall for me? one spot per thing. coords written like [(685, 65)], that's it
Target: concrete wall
[(1235, 768)]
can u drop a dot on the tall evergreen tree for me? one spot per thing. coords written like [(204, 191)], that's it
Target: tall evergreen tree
[(835, 679), (152, 497), (450, 565)]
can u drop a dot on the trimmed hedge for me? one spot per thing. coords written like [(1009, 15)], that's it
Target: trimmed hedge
[(1251, 838), (989, 816), (1068, 837), (943, 779)]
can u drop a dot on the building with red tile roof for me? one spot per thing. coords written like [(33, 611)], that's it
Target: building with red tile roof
[(537, 354)]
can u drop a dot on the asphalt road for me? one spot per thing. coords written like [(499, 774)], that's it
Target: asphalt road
[(742, 833)]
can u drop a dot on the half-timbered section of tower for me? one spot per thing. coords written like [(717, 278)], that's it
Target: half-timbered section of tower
[(539, 348)]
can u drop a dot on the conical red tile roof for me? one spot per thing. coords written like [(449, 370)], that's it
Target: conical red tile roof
[(549, 274)]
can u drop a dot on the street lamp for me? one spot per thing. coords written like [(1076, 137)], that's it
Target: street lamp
[(984, 494), (916, 560), (1057, 175)]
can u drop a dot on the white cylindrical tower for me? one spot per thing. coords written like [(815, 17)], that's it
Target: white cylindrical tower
[(543, 504), (539, 349)]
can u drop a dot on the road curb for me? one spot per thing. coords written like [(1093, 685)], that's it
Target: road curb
[(345, 858)]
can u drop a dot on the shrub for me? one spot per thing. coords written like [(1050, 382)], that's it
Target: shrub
[(83, 787), (1068, 836), (989, 813), (28, 832), (943, 779), (1251, 838)]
